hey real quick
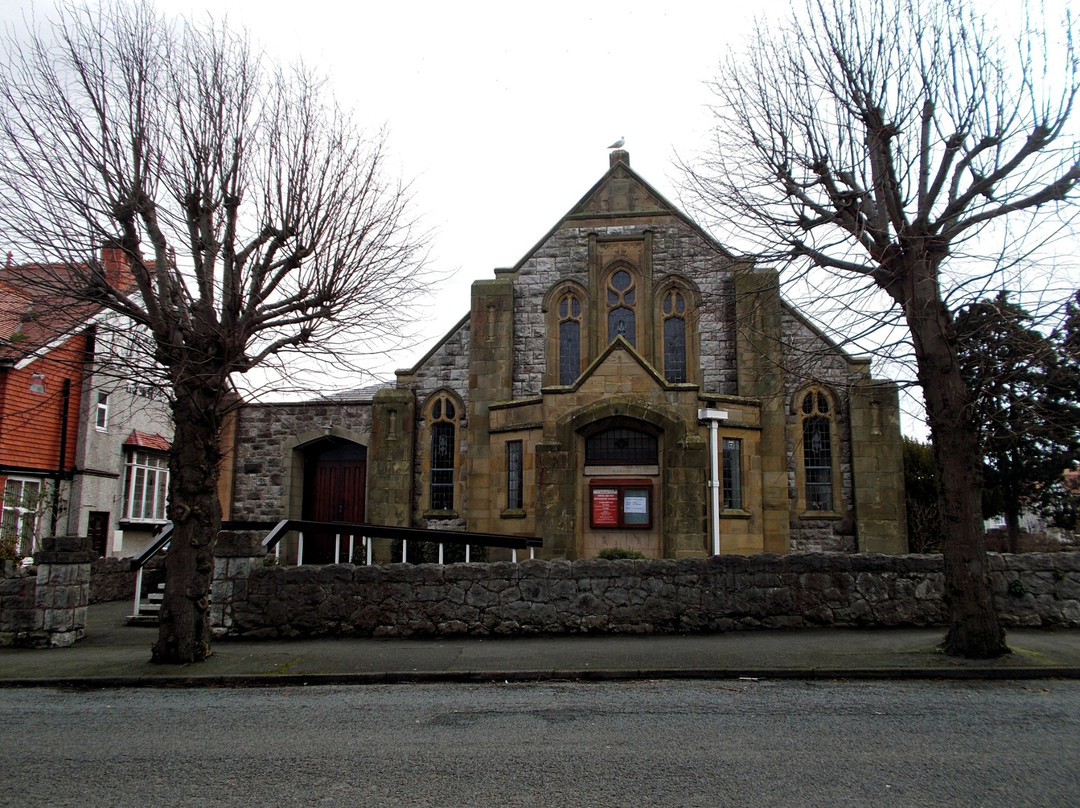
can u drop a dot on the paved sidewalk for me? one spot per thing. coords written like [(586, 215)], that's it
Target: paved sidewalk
[(116, 655)]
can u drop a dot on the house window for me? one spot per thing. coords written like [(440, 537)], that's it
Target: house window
[(674, 313), (146, 486), (621, 446), (569, 338), (817, 451), (18, 524), (621, 306), (514, 500), (732, 470), (101, 415), (442, 420), (37, 383)]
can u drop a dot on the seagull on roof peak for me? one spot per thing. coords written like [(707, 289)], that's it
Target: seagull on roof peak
[(618, 143)]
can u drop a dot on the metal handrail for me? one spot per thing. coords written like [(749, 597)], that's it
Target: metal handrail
[(365, 530)]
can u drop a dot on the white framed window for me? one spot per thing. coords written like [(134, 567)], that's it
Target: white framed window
[(101, 413), (19, 520), (146, 486)]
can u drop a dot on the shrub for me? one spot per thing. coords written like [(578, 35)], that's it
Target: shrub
[(8, 545)]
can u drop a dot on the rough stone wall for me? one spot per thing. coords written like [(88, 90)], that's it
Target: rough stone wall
[(45, 606), (722, 593), (17, 612), (446, 366), (681, 250), (564, 256), (111, 579), (263, 434)]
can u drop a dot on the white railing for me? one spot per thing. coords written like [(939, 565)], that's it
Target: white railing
[(366, 543)]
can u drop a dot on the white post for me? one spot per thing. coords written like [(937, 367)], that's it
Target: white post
[(367, 544), (404, 550), (337, 548), (513, 554), (138, 591), (440, 552), (532, 552), (714, 417), (466, 554), (351, 548), (300, 550)]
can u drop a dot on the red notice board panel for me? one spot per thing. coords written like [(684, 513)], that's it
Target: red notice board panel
[(605, 507)]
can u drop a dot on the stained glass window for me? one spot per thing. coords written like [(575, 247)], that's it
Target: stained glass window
[(817, 452), (443, 454), (622, 315), (569, 338), (513, 475), (621, 446), (674, 312)]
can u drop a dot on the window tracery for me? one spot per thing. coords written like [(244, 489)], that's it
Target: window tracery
[(621, 297)]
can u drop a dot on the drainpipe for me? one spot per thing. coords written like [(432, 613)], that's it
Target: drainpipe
[(65, 403), (714, 417)]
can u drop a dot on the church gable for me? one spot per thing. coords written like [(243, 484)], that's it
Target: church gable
[(619, 370), (620, 192), (627, 324)]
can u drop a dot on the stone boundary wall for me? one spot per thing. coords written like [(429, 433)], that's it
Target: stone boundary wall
[(45, 605), (724, 593), (17, 612), (114, 579), (111, 579)]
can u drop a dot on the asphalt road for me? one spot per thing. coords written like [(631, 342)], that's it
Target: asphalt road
[(582, 745)]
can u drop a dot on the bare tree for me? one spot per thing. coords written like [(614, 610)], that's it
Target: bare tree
[(247, 213), (876, 141)]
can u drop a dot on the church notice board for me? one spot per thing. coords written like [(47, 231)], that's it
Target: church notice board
[(620, 503)]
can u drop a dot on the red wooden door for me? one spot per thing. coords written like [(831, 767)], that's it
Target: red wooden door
[(335, 480)]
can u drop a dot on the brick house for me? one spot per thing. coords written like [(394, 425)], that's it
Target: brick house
[(628, 383), (83, 450)]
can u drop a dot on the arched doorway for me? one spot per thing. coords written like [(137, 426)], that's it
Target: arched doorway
[(622, 491), (335, 477)]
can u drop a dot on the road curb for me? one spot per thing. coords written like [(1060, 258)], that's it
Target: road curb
[(523, 677)]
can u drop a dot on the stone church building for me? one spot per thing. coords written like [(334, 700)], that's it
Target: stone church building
[(628, 383)]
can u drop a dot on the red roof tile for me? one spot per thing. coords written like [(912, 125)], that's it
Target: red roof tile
[(144, 440)]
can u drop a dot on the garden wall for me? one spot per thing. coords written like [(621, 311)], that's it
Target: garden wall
[(724, 593), (45, 605)]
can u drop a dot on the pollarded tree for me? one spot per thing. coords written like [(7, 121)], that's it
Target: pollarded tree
[(871, 141), (1024, 386), (253, 215)]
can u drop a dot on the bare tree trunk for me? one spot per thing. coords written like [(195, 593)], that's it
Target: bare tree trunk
[(184, 634), (974, 629), (1012, 529)]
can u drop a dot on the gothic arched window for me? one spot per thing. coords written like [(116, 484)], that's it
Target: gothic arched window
[(673, 311), (621, 295), (569, 313), (816, 415), (442, 421)]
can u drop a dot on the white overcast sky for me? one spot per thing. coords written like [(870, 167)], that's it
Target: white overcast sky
[(500, 113)]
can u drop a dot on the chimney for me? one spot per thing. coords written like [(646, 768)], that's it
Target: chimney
[(619, 156), (115, 265)]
